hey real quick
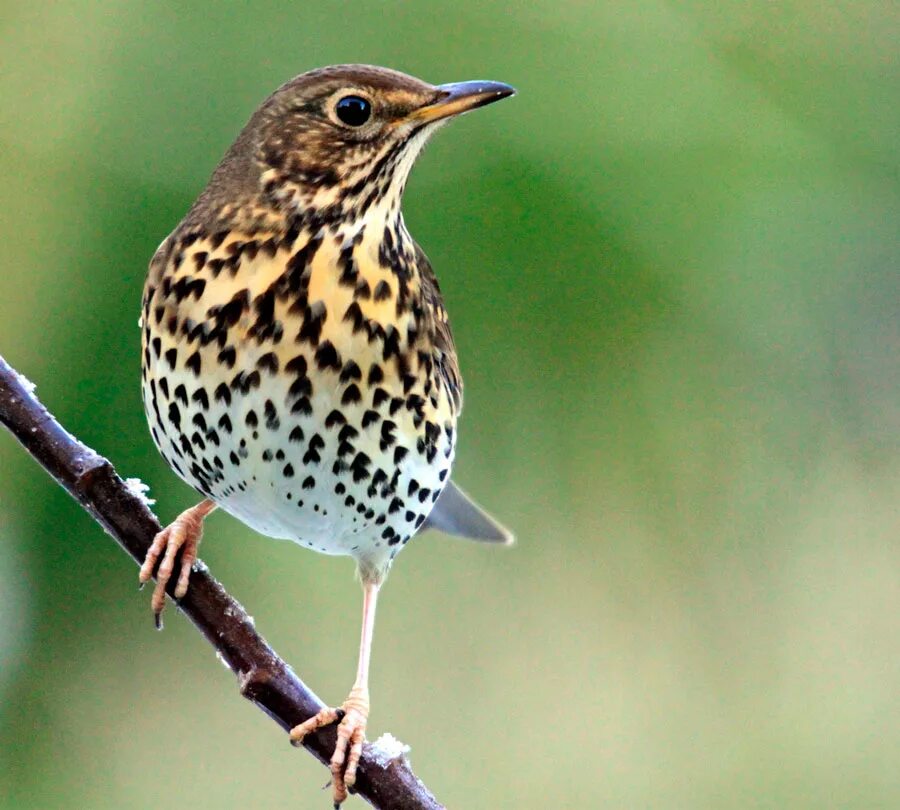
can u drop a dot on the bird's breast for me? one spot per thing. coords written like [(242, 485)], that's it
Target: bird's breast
[(293, 379)]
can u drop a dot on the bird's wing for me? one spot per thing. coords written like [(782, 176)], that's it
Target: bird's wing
[(456, 513)]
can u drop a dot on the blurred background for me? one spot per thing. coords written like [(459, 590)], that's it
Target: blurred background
[(672, 267)]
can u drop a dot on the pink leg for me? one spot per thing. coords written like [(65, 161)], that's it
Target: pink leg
[(185, 531), (353, 714)]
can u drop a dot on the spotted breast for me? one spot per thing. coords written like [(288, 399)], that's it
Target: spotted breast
[(305, 381)]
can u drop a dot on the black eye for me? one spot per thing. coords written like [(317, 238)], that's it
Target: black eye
[(353, 110)]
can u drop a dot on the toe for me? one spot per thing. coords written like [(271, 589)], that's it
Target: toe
[(353, 759), (187, 562), (158, 601), (324, 718), (156, 548), (339, 789)]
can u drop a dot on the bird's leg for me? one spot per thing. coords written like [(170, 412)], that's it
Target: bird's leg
[(185, 531), (353, 714)]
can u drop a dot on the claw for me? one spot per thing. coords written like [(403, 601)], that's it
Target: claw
[(351, 719), (182, 535)]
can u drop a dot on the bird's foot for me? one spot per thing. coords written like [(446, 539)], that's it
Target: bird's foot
[(182, 533), (352, 718)]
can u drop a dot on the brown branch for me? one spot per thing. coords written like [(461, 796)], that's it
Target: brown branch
[(263, 677)]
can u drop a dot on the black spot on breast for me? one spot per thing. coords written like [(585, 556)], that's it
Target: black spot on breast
[(268, 362), (296, 365), (302, 386), (215, 266), (313, 320), (193, 363), (229, 314), (379, 397), (349, 271), (175, 415), (387, 434), (347, 433), (359, 467), (302, 406), (264, 306), (351, 396), (391, 342), (272, 421), (355, 316), (376, 375), (222, 394), (382, 291), (186, 447), (199, 396), (227, 356), (350, 371), (327, 356)]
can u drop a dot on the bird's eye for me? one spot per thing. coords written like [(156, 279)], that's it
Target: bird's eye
[(353, 110)]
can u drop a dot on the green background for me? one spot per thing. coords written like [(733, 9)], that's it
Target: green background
[(671, 264)]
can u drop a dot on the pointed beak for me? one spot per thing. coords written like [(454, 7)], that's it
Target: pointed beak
[(454, 99)]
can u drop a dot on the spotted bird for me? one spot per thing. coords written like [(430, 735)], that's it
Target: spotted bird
[(298, 365)]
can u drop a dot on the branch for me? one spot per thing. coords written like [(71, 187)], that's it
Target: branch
[(264, 678)]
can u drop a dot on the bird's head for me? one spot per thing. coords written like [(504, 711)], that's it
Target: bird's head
[(343, 139)]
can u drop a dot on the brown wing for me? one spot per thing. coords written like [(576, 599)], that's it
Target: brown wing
[(443, 346)]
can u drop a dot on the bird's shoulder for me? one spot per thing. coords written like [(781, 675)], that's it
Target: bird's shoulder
[(437, 326)]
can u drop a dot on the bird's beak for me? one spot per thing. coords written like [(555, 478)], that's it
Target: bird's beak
[(460, 97)]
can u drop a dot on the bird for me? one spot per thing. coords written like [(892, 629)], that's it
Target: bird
[(298, 364)]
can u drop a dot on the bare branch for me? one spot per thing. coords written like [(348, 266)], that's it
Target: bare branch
[(263, 677)]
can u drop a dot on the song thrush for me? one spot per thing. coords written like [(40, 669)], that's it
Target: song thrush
[(298, 364)]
